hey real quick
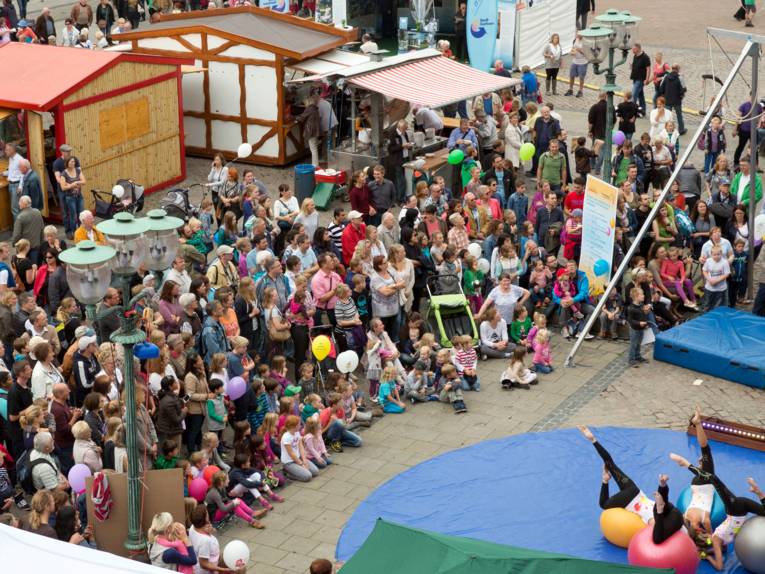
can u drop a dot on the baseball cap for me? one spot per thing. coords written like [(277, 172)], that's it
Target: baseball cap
[(224, 250), (723, 181), (576, 212), (65, 147), (420, 366), (292, 390), (85, 341), (354, 214)]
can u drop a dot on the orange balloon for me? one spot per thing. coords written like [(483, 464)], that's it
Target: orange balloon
[(208, 472)]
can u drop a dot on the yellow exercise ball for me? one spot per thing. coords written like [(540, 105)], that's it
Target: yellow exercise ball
[(619, 526), (321, 346)]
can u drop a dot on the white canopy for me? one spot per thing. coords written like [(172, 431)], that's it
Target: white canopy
[(23, 551)]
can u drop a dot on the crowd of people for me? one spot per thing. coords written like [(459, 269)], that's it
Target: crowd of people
[(257, 278)]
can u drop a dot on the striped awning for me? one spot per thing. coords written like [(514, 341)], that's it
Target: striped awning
[(433, 82)]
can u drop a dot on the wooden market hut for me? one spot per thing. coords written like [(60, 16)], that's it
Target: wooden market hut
[(245, 54), (121, 113)]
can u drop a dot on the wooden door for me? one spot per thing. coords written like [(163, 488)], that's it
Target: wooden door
[(36, 143)]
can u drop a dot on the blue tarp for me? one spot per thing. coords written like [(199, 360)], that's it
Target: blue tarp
[(724, 343), (539, 491)]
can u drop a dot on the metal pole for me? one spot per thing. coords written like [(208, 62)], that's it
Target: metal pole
[(689, 149), (755, 54), (609, 88), (127, 336), (90, 316)]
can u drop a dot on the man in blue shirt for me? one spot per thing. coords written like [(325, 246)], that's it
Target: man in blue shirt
[(462, 136)]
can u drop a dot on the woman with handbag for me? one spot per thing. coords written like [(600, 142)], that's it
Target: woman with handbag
[(278, 327), (285, 211)]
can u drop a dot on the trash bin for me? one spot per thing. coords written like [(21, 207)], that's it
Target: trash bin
[(304, 181)]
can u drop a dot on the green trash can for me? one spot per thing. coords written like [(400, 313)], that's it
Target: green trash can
[(305, 181)]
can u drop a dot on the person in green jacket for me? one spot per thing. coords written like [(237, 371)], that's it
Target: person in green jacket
[(739, 188), (520, 327), (472, 282), (169, 457)]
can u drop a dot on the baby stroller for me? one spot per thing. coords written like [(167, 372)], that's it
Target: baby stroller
[(448, 312), (126, 195), (177, 203)]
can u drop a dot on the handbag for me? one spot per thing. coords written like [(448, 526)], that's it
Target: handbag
[(277, 335)]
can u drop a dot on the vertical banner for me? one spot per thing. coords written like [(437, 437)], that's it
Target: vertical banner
[(598, 229), (481, 33), (506, 41), (339, 12)]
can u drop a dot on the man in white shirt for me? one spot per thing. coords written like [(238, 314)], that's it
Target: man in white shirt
[(178, 274), (427, 118), (578, 67), (14, 176), (367, 45)]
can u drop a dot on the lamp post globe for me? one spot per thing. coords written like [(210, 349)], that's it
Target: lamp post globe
[(88, 272), (597, 40), (162, 239), (128, 237)]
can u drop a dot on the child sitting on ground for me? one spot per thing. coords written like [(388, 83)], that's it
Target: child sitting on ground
[(270, 434), (611, 316), (272, 394), (220, 506), (520, 327), (540, 279), (542, 353), (313, 443), (466, 361), (312, 406), (450, 389), (673, 275), (540, 322), (354, 418), (517, 374), (263, 461), (388, 396), (247, 483), (419, 384), (210, 442)]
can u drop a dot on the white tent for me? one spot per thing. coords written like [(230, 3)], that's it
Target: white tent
[(23, 551)]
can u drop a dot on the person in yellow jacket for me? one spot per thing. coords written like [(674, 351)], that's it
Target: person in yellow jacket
[(87, 230)]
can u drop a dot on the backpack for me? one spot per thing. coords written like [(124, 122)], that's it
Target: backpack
[(24, 468), (684, 224)]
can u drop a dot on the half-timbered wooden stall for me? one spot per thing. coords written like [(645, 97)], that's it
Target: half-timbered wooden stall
[(120, 112), (245, 55)]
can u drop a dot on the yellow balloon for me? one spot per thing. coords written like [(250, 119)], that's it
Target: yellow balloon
[(321, 346), (619, 525)]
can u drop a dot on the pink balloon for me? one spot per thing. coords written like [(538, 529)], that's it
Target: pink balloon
[(236, 388), (198, 489), (77, 475), (619, 137)]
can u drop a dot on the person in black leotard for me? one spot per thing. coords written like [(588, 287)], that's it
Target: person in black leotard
[(666, 519), (736, 507)]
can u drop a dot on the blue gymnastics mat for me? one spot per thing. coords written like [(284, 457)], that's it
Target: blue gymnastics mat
[(724, 343), (540, 490)]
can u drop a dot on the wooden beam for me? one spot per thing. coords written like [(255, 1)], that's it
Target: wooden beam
[(208, 56), (280, 105), (228, 118), (206, 91), (242, 101)]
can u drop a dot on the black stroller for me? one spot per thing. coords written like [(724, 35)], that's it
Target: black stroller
[(126, 195), (177, 203)]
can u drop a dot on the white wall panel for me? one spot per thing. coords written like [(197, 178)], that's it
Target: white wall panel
[(270, 148), (215, 42), (193, 90), (194, 132), (194, 39), (162, 44), (243, 51), (226, 135), (261, 92), (224, 88)]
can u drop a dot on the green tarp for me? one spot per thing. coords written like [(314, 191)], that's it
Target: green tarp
[(396, 549)]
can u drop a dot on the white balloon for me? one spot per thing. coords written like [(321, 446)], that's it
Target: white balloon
[(236, 554), (244, 150), (347, 361), (484, 265), (759, 226), (118, 191), (475, 250)]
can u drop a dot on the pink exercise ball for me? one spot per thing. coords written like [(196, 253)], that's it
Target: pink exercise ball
[(678, 552)]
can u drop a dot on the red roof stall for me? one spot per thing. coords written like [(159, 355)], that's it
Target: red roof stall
[(121, 113)]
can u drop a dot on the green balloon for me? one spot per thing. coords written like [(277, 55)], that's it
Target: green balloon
[(456, 156), (527, 151)]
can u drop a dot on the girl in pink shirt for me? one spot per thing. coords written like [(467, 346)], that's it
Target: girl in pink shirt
[(542, 354), (313, 442), (673, 276)]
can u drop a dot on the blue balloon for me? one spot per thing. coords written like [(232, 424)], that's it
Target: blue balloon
[(718, 514), (601, 267)]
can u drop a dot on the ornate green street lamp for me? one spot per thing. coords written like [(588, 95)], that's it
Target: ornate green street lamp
[(88, 272)]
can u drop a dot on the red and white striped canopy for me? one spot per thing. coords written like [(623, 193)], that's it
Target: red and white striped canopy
[(433, 82)]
